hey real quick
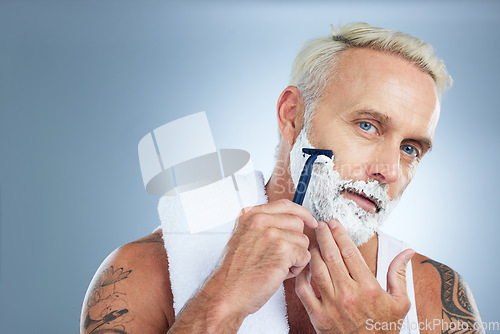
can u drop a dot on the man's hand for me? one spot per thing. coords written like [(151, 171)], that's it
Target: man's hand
[(268, 245), (349, 294)]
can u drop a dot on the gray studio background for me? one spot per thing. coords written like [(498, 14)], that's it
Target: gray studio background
[(82, 81)]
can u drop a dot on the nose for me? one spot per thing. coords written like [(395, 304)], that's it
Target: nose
[(384, 166)]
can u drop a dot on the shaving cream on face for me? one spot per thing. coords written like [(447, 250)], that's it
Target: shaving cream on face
[(323, 196)]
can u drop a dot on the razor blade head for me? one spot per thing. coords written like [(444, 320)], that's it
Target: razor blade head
[(315, 151)]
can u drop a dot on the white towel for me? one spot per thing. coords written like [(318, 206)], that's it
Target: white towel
[(388, 249), (193, 256)]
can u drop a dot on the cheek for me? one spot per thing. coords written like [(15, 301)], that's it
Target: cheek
[(350, 165), (351, 161), (406, 174)]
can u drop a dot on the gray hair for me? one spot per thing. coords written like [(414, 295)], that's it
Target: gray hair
[(314, 66)]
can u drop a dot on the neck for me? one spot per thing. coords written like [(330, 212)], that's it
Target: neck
[(280, 184), (278, 188)]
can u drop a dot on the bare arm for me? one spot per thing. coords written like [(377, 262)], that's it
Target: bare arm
[(130, 292), (444, 299), (458, 307)]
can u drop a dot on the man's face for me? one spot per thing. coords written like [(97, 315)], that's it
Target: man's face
[(378, 116)]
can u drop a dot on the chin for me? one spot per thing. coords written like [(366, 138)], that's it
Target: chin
[(359, 224)]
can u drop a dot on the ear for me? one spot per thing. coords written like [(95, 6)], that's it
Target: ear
[(290, 113)]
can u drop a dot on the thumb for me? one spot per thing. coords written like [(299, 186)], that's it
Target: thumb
[(396, 275)]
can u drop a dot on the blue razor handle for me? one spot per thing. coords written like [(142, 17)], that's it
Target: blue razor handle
[(305, 176)]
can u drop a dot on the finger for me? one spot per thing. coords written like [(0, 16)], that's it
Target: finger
[(289, 248), (300, 260), (284, 237), (263, 221), (353, 259), (331, 255), (284, 206), (305, 292), (286, 221), (396, 274), (320, 273)]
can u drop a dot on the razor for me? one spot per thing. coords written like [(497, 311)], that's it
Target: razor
[(305, 176)]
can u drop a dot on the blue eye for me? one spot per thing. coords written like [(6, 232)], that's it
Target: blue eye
[(368, 127), (410, 150)]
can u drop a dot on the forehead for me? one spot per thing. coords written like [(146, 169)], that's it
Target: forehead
[(387, 83)]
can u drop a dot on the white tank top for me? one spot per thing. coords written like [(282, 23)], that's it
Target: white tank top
[(388, 248)]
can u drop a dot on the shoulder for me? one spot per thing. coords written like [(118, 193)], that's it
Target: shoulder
[(442, 296), (131, 290)]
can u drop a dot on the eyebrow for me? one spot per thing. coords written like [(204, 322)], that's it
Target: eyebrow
[(386, 120), (382, 118)]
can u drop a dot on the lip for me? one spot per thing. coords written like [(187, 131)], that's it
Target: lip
[(361, 200)]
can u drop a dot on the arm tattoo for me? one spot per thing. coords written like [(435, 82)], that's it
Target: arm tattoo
[(106, 305), (456, 306)]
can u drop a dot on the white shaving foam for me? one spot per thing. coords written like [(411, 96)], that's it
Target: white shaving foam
[(324, 200)]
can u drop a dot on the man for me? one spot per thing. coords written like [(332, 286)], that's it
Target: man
[(372, 96)]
